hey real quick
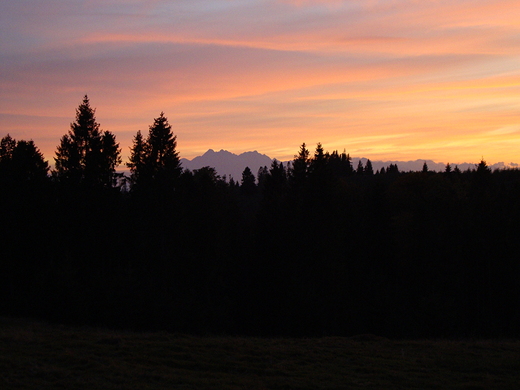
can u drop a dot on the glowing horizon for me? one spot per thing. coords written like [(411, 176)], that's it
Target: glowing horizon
[(385, 80)]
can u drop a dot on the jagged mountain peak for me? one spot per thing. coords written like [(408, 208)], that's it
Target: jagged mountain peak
[(232, 165), (228, 163)]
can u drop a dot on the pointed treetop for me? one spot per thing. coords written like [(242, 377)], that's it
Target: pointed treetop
[(7, 145), (368, 168), (303, 154), (319, 154), (482, 167), (425, 167), (86, 155), (359, 167)]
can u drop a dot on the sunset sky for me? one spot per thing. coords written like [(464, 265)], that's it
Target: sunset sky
[(382, 79)]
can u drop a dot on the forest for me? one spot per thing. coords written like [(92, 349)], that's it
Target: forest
[(316, 247)]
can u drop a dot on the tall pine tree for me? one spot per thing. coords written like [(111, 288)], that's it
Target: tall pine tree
[(248, 185), (155, 161), (21, 161), (300, 168), (137, 158), (86, 155)]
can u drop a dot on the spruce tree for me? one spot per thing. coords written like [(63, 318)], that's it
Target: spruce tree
[(318, 163), (261, 175), (162, 157), (340, 164), (482, 167), (86, 155), (21, 161), (276, 181), (368, 168), (155, 161), (248, 186), (137, 158), (28, 162), (448, 168), (425, 168), (393, 168), (300, 168), (360, 170), (7, 145), (110, 158)]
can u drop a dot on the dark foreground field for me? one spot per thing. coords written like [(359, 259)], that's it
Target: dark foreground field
[(35, 355)]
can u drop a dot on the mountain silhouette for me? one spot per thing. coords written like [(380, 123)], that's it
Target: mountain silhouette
[(227, 163), (232, 165), (417, 165)]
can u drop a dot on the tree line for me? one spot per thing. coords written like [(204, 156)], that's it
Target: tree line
[(315, 247)]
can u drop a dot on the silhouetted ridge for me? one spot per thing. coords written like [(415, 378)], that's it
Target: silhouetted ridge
[(227, 163), (325, 245)]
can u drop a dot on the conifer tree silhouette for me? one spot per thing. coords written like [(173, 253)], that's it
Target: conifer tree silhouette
[(86, 155), (155, 161), (318, 163), (28, 162), (448, 169), (299, 169), (482, 167), (340, 164), (248, 186), (425, 168), (162, 157), (7, 145), (21, 161), (360, 169), (368, 168), (137, 158)]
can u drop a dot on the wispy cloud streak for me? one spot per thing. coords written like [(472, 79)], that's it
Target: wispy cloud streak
[(389, 78)]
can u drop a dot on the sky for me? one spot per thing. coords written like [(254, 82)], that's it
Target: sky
[(381, 79)]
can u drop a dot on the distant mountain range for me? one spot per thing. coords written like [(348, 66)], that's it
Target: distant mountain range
[(232, 165), (227, 163)]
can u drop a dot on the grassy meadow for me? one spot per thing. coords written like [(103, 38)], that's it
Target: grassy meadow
[(36, 355)]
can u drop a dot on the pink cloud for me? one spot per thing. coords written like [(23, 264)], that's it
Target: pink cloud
[(393, 77)]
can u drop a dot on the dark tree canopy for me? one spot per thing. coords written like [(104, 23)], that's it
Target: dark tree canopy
[(425, 168), (368, 168), (155, 160), (248, 186), (261, 175), (86, 155), (300, 167), (312, 249), (28, 162), (360, 169), (340, 164), (273, 183), (318, 163), (137, 158), (482, 167), (7, 145), (392, 169), (21, 161)]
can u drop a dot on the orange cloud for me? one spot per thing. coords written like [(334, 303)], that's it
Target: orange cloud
[(387, 79)]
